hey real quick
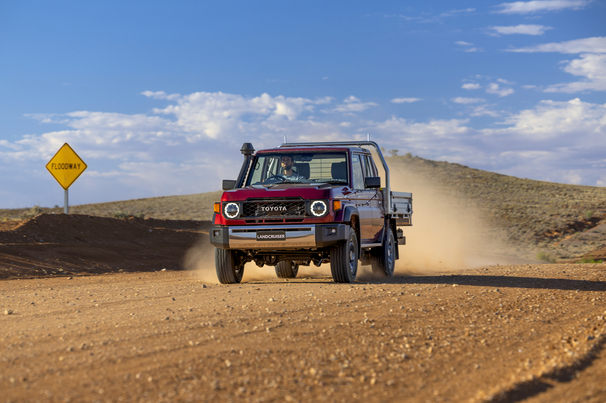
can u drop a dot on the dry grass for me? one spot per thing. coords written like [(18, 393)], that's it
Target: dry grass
[(188, 207)]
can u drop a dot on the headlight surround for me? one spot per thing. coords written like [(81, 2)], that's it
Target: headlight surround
[(231, 210), (318, 208)]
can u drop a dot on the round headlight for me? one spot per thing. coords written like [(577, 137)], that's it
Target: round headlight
[(318, 208), (231, 210)]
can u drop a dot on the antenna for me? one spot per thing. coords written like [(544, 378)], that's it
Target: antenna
[(367, 136), (285, 140)]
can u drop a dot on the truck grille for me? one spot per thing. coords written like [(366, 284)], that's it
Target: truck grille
[(279, 209)]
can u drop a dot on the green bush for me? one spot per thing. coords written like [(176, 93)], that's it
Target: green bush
[(589, 260)]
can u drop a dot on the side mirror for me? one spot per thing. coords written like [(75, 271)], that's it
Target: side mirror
[(372, 182), (228, 184)]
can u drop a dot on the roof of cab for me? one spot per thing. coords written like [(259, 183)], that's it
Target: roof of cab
[(322, 148)]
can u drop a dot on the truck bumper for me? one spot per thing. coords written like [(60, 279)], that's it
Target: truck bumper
[(278, 237)]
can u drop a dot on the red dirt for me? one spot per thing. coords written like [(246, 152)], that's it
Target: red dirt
[(61, 244)]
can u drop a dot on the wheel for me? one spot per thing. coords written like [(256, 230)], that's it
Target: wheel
[(229, 268), (287, 269), (344, 260), (383, 260)]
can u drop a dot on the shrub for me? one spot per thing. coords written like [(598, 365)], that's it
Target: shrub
[(589, 260), (122, 215), (31, 213), (589, 214), (546, 257)]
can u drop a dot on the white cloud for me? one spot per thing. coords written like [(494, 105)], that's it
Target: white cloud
[(471, 86), (592, 67), (484, 110), (453, 13), (171, 151), (494, 88), (353, 104), (586, 45), (551, 119), (430, 18), (469, 47), (161, 95), (7, 144), (536, 6), (476, 110), (520, 29), (422, 132), (214, 114), (466, 101), (405, 100)]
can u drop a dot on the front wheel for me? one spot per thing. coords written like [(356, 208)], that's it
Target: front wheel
[(229, 268), (383, 261), (344, 260), (287, 269)]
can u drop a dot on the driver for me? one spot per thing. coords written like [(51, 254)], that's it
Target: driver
[(286, 164)]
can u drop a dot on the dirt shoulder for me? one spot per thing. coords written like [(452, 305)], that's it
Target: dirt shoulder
[(63, 245)]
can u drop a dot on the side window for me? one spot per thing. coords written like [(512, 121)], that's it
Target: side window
[(369, 167), (358, 177)]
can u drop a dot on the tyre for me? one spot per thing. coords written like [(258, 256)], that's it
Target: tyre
[(383, 260), (344, 260), (229, 268), (287, 269)]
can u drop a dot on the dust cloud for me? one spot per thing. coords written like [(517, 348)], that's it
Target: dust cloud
[(447, 231), (447, 234), (200, 261)]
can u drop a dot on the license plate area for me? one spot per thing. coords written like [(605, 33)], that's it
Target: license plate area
[(271, 235)]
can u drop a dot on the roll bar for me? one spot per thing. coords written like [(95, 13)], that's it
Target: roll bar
[(386, 191)]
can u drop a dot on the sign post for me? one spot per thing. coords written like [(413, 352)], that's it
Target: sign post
[(66, 166)]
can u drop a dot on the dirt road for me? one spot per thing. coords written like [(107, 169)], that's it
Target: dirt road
[(500, 333), (98, 309)]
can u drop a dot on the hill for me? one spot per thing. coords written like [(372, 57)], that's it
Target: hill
[(560, 222)]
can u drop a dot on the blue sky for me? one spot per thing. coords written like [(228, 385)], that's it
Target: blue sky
[(157, 97)]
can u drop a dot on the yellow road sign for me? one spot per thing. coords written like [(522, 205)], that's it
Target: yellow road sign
[(66, 166)]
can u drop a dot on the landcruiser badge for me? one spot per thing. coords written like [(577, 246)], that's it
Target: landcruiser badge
[(276, 235)]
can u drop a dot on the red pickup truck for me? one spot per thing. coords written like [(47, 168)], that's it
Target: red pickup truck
[(303, 203)]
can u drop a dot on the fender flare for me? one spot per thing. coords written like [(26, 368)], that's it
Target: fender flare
[(349, 212)]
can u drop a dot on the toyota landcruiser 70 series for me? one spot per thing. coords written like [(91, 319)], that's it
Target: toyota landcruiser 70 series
[(303, 203)]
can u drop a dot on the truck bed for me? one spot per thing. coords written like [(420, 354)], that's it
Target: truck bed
[(402, 208)]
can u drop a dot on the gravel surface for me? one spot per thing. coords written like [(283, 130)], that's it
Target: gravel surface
[(494, 334)]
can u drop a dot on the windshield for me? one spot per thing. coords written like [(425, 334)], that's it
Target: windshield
[(312, 167)]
